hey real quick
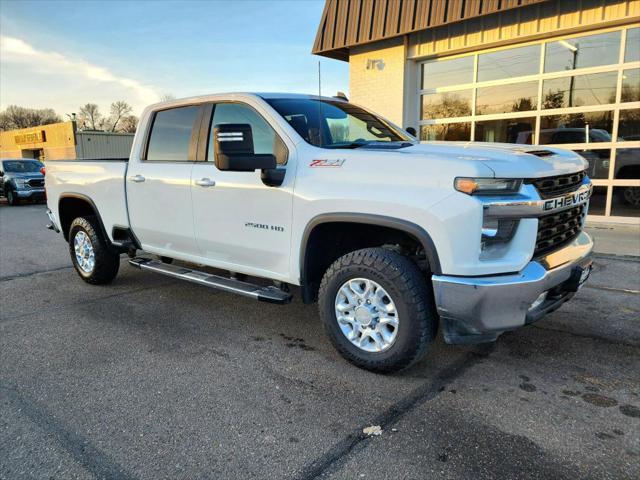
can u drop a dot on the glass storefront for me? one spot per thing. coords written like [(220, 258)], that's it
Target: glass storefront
[(580, 92)]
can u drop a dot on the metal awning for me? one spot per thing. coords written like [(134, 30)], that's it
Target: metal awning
[(347, 23)]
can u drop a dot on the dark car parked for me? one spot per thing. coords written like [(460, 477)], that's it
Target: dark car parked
[(21, 179)]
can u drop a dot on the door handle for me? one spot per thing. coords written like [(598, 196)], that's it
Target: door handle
[(137, 178), (205, 182)]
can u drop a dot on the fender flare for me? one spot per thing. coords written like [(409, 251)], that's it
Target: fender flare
[(372, 219), (93, 206)]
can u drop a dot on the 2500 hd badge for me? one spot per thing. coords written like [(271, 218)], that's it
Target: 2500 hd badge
[(263, 226)]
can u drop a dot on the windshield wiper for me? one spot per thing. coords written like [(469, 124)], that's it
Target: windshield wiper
[(352, 144), (372, 144)]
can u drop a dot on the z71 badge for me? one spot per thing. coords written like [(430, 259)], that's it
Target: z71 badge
[(327, 163)]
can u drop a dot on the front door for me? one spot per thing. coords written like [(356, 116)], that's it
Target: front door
[(241, 223), (159, 185)]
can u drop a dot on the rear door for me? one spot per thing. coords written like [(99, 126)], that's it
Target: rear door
[(242, 223), (159, 184)]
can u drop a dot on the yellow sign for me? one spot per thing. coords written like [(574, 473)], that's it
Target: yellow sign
[(31, 137)]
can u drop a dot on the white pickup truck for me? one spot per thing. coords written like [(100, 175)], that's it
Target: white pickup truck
[(392, 237)]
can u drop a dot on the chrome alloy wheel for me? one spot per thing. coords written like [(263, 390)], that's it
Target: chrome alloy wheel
[(366, 315), (83, 248)]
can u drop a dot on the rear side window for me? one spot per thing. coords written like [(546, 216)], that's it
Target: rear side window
[(171, 134)]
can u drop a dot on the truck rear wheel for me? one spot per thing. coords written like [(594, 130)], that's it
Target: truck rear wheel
[(377, 309), (92, 257)]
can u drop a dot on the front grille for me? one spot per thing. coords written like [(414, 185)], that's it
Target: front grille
[(555, 186), (558, 229), (36, 182)]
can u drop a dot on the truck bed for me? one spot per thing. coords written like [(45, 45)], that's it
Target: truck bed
[(102, 181)]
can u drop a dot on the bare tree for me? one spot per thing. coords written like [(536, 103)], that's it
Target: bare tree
[(447, 105), (129, 124), (119, 110), (167, 97), (90, 116), (15, 117), (554, 100)]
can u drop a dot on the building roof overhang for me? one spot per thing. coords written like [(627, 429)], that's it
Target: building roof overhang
[(348, 23)]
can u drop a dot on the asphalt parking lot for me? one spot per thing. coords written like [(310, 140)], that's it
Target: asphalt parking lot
[(154, 378)]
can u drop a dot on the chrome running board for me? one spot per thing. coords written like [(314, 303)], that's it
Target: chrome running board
[(257, 292)]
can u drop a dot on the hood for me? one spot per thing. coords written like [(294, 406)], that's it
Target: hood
[(507, 160)]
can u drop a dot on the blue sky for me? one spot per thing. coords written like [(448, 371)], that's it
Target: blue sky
[(62, 54)]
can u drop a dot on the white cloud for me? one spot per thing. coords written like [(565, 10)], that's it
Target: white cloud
[(16, 50)]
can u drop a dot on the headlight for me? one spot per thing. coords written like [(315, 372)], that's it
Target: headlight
[(20, 182), (486, 186)]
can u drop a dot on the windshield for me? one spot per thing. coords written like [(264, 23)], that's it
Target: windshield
[(22, 166), (335, 124)]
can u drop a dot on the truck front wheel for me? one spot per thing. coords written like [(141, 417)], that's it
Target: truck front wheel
[(12, 198), (377, 309), (93, 259)]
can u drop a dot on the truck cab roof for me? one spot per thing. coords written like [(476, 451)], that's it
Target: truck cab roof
[(239, 95)]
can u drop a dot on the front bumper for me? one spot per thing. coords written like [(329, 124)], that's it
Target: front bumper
[(479, 309), (34, 193)]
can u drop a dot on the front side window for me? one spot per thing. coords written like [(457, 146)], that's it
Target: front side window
[(335, 124), (265, 140), (21, 166), (171, 134)]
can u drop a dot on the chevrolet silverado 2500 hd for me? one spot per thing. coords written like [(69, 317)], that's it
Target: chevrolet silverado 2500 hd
[(390, 236)]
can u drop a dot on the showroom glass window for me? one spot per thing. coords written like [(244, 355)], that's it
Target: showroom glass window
[(580, 92)]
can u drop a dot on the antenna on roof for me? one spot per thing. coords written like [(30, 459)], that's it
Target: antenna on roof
[(320, 106)]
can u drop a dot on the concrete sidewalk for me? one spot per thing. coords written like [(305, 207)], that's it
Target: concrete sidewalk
[(615, 239)]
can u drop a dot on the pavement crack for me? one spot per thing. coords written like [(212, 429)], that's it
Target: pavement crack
[(79, 447), (424, 393), (612, 289), (8, 278), (619, 258), (589, 337), (83, 302)]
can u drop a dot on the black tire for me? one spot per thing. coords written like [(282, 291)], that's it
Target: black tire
[(12, 198), (107, 260), (405, 284)]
